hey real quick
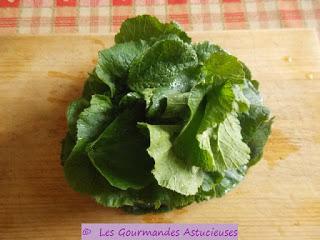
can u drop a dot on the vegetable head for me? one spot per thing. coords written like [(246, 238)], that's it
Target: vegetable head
[(163, 122)]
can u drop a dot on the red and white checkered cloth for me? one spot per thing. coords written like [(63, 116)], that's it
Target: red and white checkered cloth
[(104, 16)]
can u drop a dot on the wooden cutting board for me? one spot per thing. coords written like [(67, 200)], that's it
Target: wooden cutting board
[(39, 76)]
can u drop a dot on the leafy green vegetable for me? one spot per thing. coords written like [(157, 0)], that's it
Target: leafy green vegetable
[(162, 122)]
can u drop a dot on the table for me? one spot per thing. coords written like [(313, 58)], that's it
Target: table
[(105, 16)]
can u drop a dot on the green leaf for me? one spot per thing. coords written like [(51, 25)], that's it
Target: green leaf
[(247, 72), (81, 175), (120, 153), (165, 64), (230, 151), (165, 105), (170, 171), (115, 199), (194, 142), (74, 109), (251, 93), (213, 138), (79, 171), (221, 67), (159, 199), (256, 128), (255, 124), (113, 63), (241, 102), (222, 146), (165, 199), (152, 198), (186, 145), (219, 104), (67, 145), (176, 106), (216, 185), (94, 85), (93, 119), (147, 27), (205, 49), (130, 99)]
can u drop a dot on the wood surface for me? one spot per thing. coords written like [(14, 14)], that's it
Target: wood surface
[(39, 76)]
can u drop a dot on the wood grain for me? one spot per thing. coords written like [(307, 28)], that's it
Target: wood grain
[(39, 76)]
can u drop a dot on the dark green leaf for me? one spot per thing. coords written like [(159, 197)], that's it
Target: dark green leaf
[(120, 153), (93, 119), (165, 64), (113, 63), (94, 85), (74, 109), (256, 128), (67, 145), (81, 174), (147, 27)]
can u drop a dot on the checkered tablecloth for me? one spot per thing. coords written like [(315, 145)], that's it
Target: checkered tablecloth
[(104, 16)]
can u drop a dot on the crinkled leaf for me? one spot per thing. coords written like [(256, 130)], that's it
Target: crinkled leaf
[(221, 67), (147, 27), (219, 105), (255, 124), (251, 93), (217, 185), (205, 49), (194, 143), (241, 102), (170, 171), (256, 128), (113, 63), (165, 64), (229, 149)]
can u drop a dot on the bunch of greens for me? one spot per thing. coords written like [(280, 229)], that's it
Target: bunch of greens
[(163, 122)]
